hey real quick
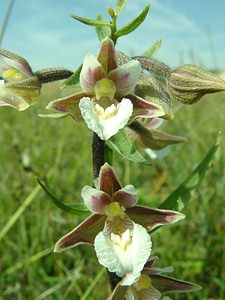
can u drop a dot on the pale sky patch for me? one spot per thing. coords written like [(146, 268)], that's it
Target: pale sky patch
[(43, 32)]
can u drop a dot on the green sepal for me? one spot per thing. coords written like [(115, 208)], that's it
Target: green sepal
[(102, 31), (72, 209), (133, 24), (74, 79), (122, 144), (53, 116), (90, 21), (119, 6), (153, 50), (181, 196)]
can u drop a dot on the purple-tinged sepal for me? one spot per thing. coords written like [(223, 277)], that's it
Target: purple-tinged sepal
[(152, 217), (84, 233), (108, 181)]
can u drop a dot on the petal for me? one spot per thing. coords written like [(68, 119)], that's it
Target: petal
[(154, 123), (118, 292), (7, 98), (108, 126), (108, 181), (169, 284), (125, 77), (146, 109), (149, 294), (151, 261), (91, 72), (106, 55), (157, 154), (151, 218), (155, 271), (126, 196), (130, 259), (84, 233), (68, 104), (14, 61), (95, 200)]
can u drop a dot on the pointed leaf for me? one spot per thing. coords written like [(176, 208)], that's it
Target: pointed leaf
[(181, 196), (133, 24), (125, 147), (102, 31), (90, 21), (74, 79), (119, 6), (72, 209), (153, 50)]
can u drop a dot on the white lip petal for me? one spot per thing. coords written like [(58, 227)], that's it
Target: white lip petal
[(125, 77), (92, 71), (110, 125), (124, 254)]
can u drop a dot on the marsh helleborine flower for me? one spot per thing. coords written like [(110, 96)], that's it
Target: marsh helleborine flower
[(19, 87), (113, 209), (106, 100), (151, 284)]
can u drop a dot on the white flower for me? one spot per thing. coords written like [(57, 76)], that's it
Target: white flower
[(126, 253), (102, 100), (105, 122)]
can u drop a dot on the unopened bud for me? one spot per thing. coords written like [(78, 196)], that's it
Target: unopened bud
[(189, 83)]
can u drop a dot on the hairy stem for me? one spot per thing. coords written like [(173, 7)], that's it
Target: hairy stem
[(98, 150), (50, 75)]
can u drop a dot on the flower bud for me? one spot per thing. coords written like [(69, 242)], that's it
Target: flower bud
[(189, 83)]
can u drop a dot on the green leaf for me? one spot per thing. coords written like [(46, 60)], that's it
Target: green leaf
[(153, 50), (134, 24), (53, 116), (90, 21), (72, 209), (119, 6), (74, 79), (126, 148), (102, 31), (181, 196)]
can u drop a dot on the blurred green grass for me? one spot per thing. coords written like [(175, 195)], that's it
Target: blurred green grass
[(29, 268)]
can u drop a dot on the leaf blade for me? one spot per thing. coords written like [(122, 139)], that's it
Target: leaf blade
[(74, 79), (72, 209), (152, 51), (90, 22), (102, 31), (133, 24), (123, 145), (119, 6), (181, 196)]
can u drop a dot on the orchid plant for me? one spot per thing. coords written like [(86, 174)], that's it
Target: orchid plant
[(122, 100)]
